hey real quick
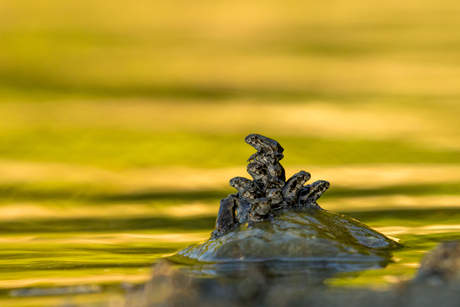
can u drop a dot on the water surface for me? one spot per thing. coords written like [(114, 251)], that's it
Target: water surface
[(59, 251)]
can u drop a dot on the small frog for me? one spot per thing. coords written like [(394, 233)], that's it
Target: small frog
[(276, 198), (264, 146), (311, 192), (259, 173), (276, 172), (241, 184), (247, 193), (262, 209), (293, 187)]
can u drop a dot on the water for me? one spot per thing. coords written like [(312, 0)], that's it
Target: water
[(69, 253), (121, 125), (88, 202)]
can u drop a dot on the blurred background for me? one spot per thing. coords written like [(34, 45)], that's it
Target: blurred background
[(121, 124)]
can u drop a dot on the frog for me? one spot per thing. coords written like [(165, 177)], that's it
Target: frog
[(293, 187), (262, 209), (259, 173), (247, 194), (311, 193), (264, 146)]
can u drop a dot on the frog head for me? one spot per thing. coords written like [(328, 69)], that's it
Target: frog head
[(310, 193), (263, 144), (240, 183)]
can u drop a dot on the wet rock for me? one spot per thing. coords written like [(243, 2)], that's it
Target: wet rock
[(271, 220)]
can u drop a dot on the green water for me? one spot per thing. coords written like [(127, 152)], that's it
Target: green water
[(93, 193), (90, 261), (121, 124)]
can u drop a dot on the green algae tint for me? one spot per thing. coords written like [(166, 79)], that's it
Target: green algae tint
[(104, 260), (117, 139)]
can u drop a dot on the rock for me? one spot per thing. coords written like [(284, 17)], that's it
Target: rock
[(278, 223), (441, 265)]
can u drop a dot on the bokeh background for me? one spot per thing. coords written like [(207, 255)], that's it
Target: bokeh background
[(122, 122)]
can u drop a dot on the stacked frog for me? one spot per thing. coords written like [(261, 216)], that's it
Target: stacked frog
[(268, 191)]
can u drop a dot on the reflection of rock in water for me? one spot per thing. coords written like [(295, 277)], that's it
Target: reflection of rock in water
[(172, 287), (305, 272)]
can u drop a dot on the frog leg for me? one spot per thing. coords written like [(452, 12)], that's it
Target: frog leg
[(226, 217), (311, 192)]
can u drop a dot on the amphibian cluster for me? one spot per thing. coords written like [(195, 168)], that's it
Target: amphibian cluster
[(271, 219), (269, 191)]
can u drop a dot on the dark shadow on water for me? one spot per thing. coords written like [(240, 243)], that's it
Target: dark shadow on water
[(307, 272), (428, 189), (79, 193), (71, 265), (431, 215), (19, 192), (116, 225), (175, 195), (406, 217)]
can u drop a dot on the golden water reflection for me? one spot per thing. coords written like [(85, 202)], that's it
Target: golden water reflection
[(121, 125)]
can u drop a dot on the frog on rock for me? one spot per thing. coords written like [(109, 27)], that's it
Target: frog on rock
[(270, 218), (269, 190)]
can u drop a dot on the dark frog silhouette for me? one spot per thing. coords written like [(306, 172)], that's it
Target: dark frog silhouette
[(271, 219)]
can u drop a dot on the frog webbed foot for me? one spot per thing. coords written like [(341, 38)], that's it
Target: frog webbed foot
[(311, 192)]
